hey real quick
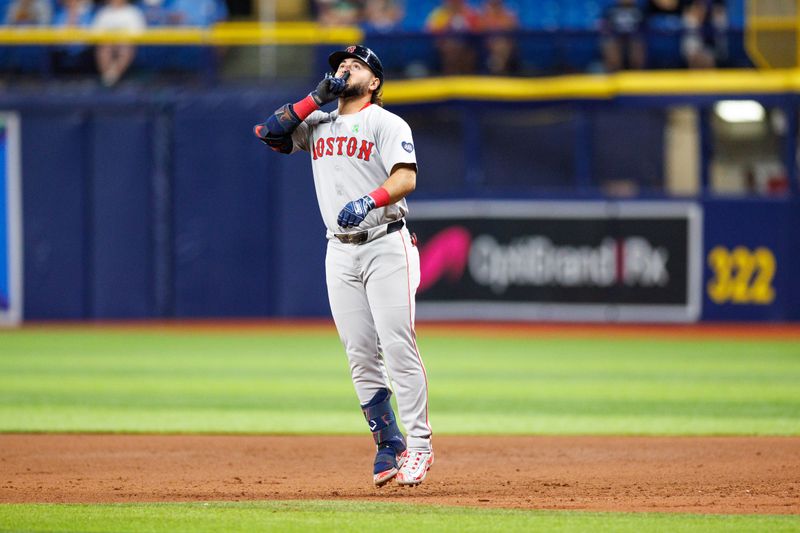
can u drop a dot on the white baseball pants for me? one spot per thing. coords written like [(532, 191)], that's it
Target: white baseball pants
[(371, 289)]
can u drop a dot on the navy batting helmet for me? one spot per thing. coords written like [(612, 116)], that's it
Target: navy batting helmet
[(358, 52)]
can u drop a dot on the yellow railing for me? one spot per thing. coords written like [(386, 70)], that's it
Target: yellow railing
[(772, 33), (731, 83), (760, 20), (224, 34)]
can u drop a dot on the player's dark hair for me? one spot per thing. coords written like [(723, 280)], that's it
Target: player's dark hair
[(377, 96)]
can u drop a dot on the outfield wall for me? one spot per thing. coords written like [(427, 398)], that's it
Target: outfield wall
[(165, 205)]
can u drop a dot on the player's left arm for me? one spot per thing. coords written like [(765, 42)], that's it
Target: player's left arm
[(400, 183), (396, 147)]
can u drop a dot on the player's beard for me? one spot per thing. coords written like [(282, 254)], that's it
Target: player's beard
[(355, 90)]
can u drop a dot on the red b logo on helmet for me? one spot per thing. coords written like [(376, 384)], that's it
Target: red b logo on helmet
[(351, 49)]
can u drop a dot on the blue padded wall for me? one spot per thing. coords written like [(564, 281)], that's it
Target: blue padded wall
[(54, 168), (166, 205), (615, 136), (121, 251), (298, 240), (529, 149), (221, 209)]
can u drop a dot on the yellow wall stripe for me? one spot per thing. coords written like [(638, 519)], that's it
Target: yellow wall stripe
[(728, 82), (227, 34)]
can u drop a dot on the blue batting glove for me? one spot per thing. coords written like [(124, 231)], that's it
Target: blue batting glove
[(355, 212)]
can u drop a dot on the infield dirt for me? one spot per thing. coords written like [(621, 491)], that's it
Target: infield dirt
[(660, 474)]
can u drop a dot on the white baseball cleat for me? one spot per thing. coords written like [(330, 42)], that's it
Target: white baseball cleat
[(384, 476), (415, 468)]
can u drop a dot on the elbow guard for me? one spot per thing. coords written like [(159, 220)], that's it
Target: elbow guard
[(285, 120), (276, 132), (281, 143), (281, 123)]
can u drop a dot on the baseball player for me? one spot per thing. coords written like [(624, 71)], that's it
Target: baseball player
[(364, 165)]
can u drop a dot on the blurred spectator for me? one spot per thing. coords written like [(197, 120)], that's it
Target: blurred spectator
[(705, 24), (155, 12), (26, 59), (73, 58), (456, 19), (29, 13), (621, 30), (382, 16), (339, 12), (664, 7), (196, 12), (453, 16), (201, 13), (501, 49), (664, 15), (113, 60)]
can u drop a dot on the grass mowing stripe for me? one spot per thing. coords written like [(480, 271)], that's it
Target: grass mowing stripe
[(109, 420), (357, 517), (296, 382)]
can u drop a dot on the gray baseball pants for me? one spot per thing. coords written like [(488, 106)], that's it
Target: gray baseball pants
[(371, 289)]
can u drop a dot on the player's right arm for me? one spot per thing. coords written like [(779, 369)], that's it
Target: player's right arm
[(277, 131)]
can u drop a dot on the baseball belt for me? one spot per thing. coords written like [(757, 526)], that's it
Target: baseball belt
[(371, 234)]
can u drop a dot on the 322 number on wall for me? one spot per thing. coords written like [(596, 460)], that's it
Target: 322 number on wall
[(741, 275)]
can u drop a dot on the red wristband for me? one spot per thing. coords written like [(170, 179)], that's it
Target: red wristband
[(380, 196), (305, 107)]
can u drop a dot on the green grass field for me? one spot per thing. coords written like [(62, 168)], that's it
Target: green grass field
[(354, 517), (83, 380), (298, 383)]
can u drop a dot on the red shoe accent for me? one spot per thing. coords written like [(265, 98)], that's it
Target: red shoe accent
[(415, 469), (381, 478)]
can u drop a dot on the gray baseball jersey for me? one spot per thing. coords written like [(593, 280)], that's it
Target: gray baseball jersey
[(352, 155), (371, 286)]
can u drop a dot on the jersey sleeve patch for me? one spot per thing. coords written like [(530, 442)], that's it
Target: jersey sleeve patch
[(407, 146)]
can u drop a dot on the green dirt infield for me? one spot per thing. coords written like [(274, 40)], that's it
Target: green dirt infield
[(288, 379), (358, 517)]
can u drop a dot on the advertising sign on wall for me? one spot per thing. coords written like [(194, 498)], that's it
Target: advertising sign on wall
[(593, 261), (10, 222), (752, 257)]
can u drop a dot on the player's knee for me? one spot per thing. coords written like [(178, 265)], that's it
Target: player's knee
[(360, 359), (399, 349)]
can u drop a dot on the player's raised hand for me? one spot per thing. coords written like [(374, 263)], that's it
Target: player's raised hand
[(329, 88), (354, 212)]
